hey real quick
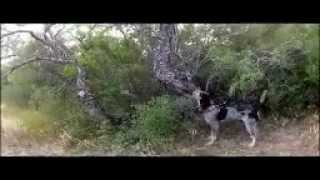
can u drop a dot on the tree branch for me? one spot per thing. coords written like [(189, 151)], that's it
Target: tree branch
[(8, 56), (32, 34), (57, 52), (84, 36), (36, 59)]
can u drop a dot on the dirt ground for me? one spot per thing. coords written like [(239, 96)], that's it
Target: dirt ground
[(297, 138), (15, 141)]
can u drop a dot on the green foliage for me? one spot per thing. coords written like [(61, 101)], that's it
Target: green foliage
[(117, 72), (37, 123), (126, 137), (185, 108), (152, 129), (70, 71), (19, 92), (223, 67), (45, 110), (311, 44), (157, 121), (280, 58), (247, 77)]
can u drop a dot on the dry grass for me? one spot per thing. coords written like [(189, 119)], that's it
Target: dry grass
[(298, 137), (15, 141)]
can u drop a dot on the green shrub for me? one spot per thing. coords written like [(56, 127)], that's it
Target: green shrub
[(117, 72), (19, 88), (36, 123), (126, 137), (280, 58), (70, 71), (185, 108), (157, 121), (247, 77)]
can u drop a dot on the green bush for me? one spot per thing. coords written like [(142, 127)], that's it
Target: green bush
[(247, 77), (17, 91), (117, 72), (70, 71), (157, 121), (36, 123), (185, 108), (282, 59), (126, 137)]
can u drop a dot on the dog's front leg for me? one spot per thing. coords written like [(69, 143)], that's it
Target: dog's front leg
[(212, 138), (251, 128), (253, 141), (214, 132)]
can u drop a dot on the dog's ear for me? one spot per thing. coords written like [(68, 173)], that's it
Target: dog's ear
[(254, 114), (222, 113)]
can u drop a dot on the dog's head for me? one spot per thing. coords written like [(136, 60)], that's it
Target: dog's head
[(202, 98), (196, 94), (250, 115)]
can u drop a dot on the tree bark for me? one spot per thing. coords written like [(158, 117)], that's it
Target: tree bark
[(165, 62)]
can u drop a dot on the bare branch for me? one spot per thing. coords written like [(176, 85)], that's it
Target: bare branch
[(31, 33), (120, 28), (59, 31), (8, 56), (36, 59), (20, 31), (85, 35), (47, 28)]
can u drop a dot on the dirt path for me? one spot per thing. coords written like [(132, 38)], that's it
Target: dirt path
[(15, 141), (293, 139)]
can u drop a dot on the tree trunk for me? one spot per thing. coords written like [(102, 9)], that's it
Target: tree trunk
[(165, 62), (88, 100)]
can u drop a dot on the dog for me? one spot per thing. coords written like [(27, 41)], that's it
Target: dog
[(214, 115)]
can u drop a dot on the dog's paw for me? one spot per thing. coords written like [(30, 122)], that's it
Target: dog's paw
[(210, 143), (252, 144)]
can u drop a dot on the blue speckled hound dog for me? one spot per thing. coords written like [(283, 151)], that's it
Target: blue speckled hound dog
[(214, 115)]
